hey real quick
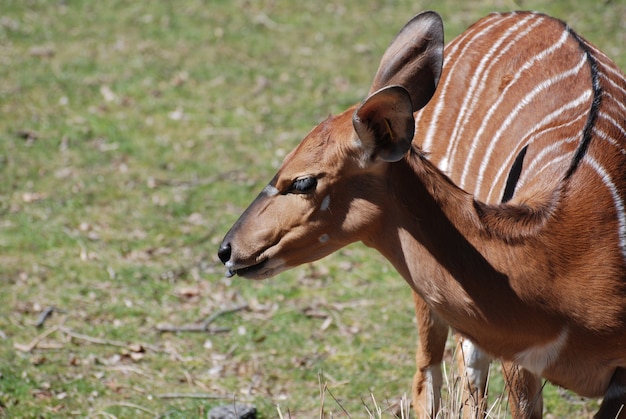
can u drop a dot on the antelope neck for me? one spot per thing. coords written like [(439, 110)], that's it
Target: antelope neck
[(435, 238)]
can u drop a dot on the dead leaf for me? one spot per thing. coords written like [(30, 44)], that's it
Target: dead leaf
[(30, 197), (113, 386), (107, 94), (188, 292), (42, 394), (59, 407), (327, 322), (137, 348), (27, 134), (136, 356), (42, 51)]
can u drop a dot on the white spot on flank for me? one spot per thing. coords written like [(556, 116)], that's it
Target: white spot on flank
[(535, 359), (269, 190), (325, 203), (324, 238)]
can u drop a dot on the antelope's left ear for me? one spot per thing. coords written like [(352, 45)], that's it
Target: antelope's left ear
[(414, 59), (384, 123)]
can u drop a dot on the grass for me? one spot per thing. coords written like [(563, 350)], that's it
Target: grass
[(132, 135)]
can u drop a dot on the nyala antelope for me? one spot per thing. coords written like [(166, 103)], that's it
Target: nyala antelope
[(492, 175)]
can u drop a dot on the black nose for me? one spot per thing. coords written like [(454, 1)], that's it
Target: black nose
[(224, 252)]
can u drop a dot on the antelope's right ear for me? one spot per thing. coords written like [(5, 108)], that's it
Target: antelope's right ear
[(385, 125), (414, 59)]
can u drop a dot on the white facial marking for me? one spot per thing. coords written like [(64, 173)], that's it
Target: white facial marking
[(325, 203), (535, 359), (324, 238), (269, 190)]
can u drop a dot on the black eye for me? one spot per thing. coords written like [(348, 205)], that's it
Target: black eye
[(303, 185)]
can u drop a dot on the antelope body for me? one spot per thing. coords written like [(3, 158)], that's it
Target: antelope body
[(501, 202)]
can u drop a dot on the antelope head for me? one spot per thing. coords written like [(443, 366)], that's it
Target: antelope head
[(327, 192)]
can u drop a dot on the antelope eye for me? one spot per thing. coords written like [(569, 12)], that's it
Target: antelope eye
[(303, 185)]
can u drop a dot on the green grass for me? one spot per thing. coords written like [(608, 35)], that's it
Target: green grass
[(132, 135)]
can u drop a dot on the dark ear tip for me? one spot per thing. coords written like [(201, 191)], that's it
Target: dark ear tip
[(431, 14), (435, 22)]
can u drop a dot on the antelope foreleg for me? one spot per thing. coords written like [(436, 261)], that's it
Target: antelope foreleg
[(433, 333), (473, 365), (525, 398)]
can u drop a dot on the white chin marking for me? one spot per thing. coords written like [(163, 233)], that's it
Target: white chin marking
[(269, 190)]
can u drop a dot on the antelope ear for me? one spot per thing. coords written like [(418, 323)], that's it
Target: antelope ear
[(414, 59), (384, 123)]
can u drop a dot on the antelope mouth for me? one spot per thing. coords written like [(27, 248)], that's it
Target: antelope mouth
[(262, 270)]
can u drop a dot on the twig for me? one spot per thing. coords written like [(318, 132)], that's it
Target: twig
[(191, 328), (338, 402), (108, 342), (105, 414), (91, 339), (133, 406), (44, 316), (223, 311), (204, 326), (33, 343), (322, 393), (192, 396)]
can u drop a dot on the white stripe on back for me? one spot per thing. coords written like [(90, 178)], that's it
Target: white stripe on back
[(525, 101)]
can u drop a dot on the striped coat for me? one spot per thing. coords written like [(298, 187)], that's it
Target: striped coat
[(483, 128), (527, 109)]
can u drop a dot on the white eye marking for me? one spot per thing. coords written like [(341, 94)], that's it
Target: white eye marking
[(269, 190), (324, 238), (325, 203)]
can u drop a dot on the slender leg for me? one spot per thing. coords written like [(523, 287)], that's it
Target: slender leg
[(473, 366), (614, 404), (427, 381), (525, 399)]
